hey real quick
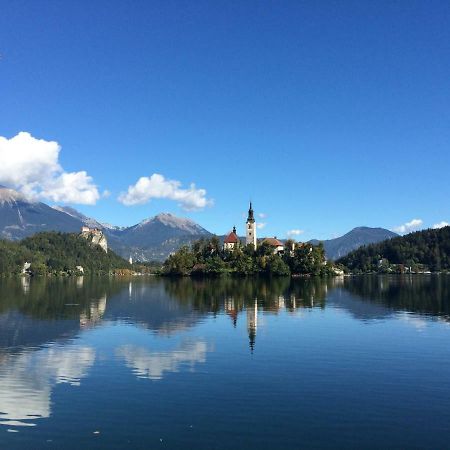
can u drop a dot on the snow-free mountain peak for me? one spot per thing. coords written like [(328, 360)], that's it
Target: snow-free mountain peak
[(338, 247), (169, 220), (11, 196)]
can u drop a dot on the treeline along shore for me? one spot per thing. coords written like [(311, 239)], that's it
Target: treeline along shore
[(53, 253), (424, 251), (419, 252)]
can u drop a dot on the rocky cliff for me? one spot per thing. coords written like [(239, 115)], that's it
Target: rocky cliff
[(95, 237)]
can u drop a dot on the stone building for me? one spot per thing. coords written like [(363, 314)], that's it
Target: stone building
[(231, 241), (95, 237), (278, 246)]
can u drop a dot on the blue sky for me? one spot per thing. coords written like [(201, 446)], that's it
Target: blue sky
[(328, 115)]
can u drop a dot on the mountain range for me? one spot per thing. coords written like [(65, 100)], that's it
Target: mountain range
[(20, 217), (359, 236), (152, 239)]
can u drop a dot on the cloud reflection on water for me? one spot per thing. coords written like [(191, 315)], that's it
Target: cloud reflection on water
[(27, 379), (32, 317), (154, 364)]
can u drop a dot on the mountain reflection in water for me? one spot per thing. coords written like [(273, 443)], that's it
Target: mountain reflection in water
[(66, 332)]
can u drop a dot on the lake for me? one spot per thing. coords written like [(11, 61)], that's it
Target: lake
[(360, 362)]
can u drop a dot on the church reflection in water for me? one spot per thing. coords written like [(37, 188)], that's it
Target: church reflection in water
[(46, 326), (248, 298)]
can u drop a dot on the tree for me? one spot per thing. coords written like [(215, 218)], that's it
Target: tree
[(419, 250), (264, 249), (276, 266), (215, 265)]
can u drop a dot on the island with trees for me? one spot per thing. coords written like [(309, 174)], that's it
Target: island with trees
[(209, 257)]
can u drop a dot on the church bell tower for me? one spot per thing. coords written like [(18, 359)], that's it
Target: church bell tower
[(251, 228)]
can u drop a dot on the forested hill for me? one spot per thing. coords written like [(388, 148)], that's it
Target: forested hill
[(55, 253), (422, 250)]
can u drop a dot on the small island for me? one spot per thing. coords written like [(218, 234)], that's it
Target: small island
[(268, 256)]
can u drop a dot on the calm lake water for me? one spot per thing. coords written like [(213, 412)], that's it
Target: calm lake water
[(358, 362)]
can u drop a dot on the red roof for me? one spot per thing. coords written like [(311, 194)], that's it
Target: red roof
[(273, 241), (231, 238)]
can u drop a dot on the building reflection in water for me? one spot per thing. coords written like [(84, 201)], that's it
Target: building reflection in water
[(80, 282), (252, 323), (231, 309), (235, 296), (39, 320), (94, 314), (25, 282)]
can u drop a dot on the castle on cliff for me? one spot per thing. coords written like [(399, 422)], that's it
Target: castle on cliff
[(95, 237)]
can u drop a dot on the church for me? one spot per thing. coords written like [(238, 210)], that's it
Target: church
[(232, 240)]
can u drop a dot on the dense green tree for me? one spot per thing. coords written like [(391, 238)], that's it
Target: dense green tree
[(181, 262), (427, 249), (54, 253), (206, 257), (264, 249), (276, 266)]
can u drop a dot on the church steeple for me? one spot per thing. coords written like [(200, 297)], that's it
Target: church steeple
[(251, 228), (250, 218)]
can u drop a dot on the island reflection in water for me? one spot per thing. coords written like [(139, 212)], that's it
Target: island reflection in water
[(184, 334)]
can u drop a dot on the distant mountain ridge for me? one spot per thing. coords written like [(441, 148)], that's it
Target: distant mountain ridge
[(425, 250), (88, 221), (151, 239), (20, 218), (155, 238), (341, 246)]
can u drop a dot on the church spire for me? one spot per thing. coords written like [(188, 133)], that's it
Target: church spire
[(251, 228), (250, 218)]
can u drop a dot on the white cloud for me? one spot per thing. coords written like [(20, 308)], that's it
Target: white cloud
[(31, 165), (409, 226), (441, 225), (262, 215), (295, 232), (261, 225), (157, 186)]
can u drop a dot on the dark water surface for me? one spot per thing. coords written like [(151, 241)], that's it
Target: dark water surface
[(225, 364)]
